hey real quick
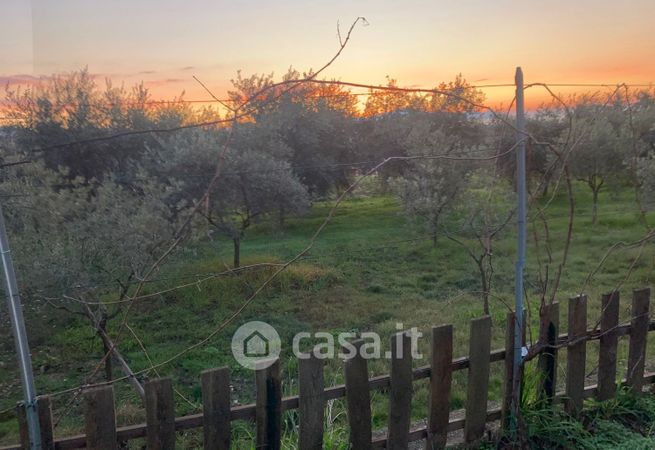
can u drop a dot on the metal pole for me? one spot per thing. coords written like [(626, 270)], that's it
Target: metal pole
[(20, 338), (521, 223)]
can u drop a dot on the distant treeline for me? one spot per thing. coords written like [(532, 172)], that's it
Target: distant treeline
[(87, 210)]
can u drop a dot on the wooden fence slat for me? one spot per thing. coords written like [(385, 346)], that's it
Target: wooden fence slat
[(311, 402), (400, 393), (269, 404), (609, 320), (547, 363), (100, 418), (358, 399), (508, 381), (44, 411), (478, 379), (44, 406), (440, 382), (638, 339), (576, 354), (216, 408), (23, 431), (160, 414)]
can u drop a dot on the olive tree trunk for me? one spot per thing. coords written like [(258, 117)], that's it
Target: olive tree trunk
[(237, 252)]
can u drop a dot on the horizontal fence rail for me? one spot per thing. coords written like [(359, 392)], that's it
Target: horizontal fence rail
[(161, 424)]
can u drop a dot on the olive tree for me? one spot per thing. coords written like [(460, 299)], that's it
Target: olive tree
[(483, 213), (598, 150), (84, 240), (253, 187), (646, 173), (547, 125), (314, 123), (642, 138), (457, 95), (74, 236), (434, 177), (643, 120), (71, 110), (254, 181)]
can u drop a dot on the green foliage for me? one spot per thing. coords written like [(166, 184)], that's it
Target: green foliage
[(463, 98), (254, 182), (646, 172), (71, 107), (431, 186), (74, 236), (624, 422), (548, 429)]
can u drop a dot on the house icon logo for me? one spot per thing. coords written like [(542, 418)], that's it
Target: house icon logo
[(255, 343)]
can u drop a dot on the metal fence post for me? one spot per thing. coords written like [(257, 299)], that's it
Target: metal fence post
[(20, 338), (520, 221)]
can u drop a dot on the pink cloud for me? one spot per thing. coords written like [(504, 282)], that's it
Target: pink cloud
[(19, 79)]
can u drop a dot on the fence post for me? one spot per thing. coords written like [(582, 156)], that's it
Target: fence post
[(400, 395), (358, 399), (311, 402), (44, 411), (609, 320), (441, 375), (478, 379), (160, 414), (100, 418), (269, 404), (547, 362), (576, 354), (521, 221), (17, 322), (216, 408), (508, 386), (44, 406), (638, 339), (23, 431)]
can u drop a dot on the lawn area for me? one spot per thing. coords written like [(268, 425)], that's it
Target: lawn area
[(369, 270)]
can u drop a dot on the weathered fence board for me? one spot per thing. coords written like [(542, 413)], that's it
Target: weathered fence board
[(609, 320), (547, 363), (576, 354), (358, 400), (44, 411), (400, 394), (269, 405), (478, 379), (216, 408), (100, 419), (311, 402), (160, 414), (638, 339), (23, 431), (508, 382), (440, 383)]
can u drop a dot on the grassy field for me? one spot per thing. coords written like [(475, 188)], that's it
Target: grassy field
[(368, 271)]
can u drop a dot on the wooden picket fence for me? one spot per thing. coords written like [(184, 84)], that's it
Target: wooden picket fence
[(161, 424)]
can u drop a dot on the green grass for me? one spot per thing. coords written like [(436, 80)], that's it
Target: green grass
[(362, 275), (625, 422)]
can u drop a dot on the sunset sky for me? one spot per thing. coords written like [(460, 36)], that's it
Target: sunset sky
[(166, 42)]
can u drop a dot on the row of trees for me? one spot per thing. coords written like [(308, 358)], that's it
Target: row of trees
[(98, 212)]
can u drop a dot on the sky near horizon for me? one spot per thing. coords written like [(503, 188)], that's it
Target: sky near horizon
[(421, 43)]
